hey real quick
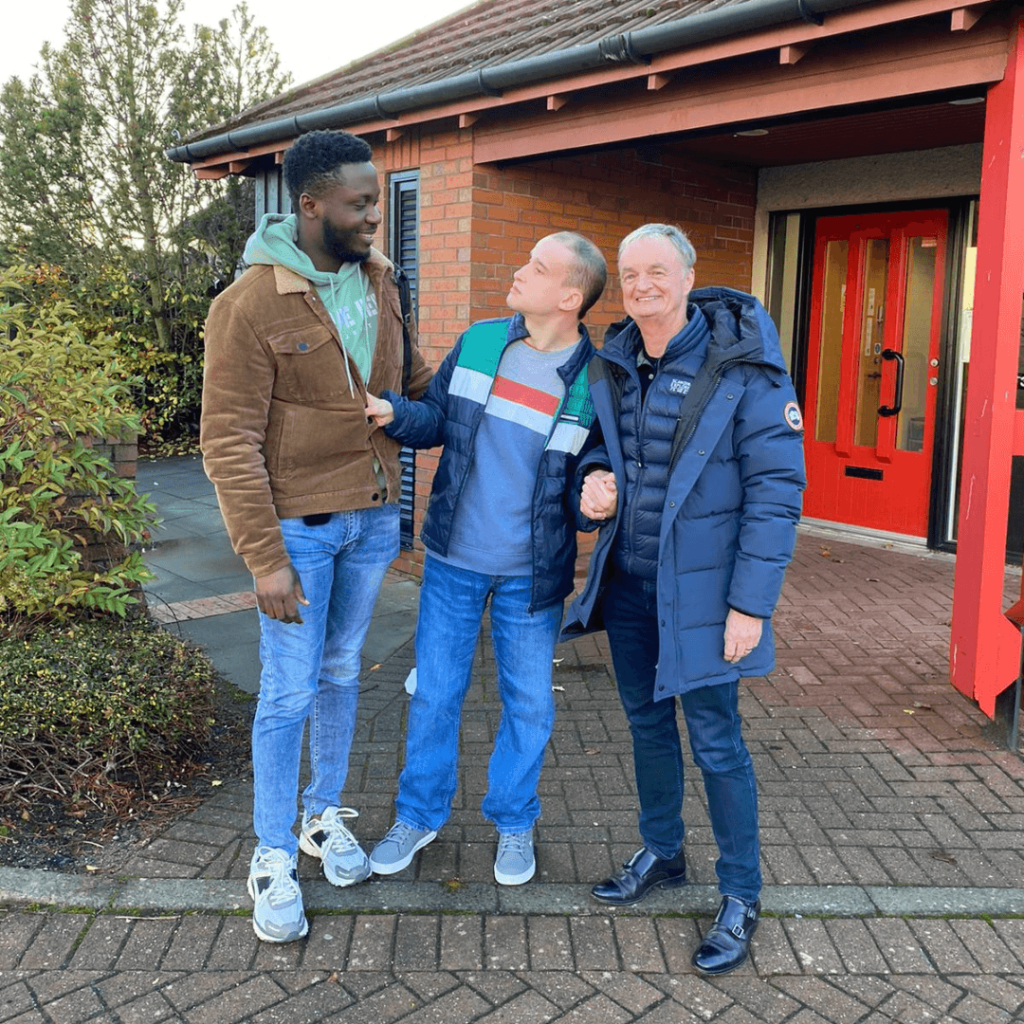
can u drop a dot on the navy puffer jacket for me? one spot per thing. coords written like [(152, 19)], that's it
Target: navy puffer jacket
[(731, 501), (646, 432), (450, 413)]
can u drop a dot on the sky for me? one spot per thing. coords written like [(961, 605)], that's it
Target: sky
[(308, 43)]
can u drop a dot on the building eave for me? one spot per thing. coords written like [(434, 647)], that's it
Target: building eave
[(655, 53)]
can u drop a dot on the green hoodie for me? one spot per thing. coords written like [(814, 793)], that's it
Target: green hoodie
[(346, 295)]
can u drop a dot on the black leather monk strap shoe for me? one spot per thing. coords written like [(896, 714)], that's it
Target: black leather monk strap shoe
[(727, 942), (641, 873)]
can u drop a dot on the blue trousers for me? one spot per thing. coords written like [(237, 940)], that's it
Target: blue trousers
[(713, 725), (311, 671), (452, 602)]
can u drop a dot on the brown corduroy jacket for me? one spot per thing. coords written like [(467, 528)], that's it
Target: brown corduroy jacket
[(282, 433)]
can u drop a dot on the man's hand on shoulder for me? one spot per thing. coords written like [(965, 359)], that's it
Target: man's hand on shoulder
[(280, 594), (600, 497), (379, 410)]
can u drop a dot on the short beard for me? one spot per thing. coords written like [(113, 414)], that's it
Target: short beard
[(334, 244), (344, 256)]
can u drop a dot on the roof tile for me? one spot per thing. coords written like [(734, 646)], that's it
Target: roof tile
[(488, 33)]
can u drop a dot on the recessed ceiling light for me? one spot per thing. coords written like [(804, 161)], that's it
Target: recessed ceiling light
[(750, 133)]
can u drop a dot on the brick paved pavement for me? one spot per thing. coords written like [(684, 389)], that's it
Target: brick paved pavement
[(892, 822), (516, 969)]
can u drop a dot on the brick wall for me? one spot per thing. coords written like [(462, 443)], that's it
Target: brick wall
[(445, 163), (479, 223), (101, 550), (604, 196)]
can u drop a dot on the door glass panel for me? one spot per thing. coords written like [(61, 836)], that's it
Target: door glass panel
[(917, 331), (833, 305), (872, 324)]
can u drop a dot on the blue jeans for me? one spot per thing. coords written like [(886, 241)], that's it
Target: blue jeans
[(452, 603), (713, 724), (311, 671)]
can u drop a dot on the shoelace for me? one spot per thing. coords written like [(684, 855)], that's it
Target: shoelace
[(283, 887), (399, 833), (337, 835), (517, 843)]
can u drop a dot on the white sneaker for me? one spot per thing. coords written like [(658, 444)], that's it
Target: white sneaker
[(515, 863), (326, 838), (273, 884)]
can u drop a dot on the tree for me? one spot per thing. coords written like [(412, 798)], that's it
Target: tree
[(83, 177)]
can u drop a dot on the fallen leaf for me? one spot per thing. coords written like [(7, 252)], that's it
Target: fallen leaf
[(918, 704), (908, 711), (825, 552), (216, 782), (591, 750), (373, 668), (560, 689), (558, 661)]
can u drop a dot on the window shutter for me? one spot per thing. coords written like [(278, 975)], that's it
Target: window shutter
[(405, 251)]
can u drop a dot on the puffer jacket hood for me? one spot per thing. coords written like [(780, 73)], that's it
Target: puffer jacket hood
[(741, 331)]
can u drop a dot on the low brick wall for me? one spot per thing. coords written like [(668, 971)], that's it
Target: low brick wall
[(100, 550)]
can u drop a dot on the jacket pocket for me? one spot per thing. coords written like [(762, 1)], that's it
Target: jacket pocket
[(306, 445), (310, 365)]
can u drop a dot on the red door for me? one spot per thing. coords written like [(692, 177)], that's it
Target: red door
[(873, 369)]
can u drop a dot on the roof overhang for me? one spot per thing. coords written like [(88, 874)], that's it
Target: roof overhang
[(657, 57)]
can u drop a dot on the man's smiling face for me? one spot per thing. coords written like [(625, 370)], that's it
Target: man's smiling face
[(655, 283)]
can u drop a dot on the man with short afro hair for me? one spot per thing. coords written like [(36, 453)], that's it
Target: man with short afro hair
[(309, 491), (315, 162)]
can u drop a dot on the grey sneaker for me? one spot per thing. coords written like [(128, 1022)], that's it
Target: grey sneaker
[(326, 838), (397, 849), (274, 887), (515, 863)]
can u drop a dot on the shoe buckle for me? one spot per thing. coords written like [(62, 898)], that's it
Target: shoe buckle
[(738, 930)]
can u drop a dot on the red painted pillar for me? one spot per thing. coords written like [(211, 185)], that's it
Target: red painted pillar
[(984, 646)]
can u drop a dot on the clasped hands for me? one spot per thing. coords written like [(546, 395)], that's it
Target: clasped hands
[(599, 500)]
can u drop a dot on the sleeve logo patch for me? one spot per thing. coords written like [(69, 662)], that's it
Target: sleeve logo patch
[(793, 417)]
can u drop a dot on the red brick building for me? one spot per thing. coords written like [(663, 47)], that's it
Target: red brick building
[(858, 164)]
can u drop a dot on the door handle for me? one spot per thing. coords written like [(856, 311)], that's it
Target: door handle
[(897, 405)]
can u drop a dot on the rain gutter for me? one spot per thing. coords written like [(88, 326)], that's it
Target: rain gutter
[(625, 48)]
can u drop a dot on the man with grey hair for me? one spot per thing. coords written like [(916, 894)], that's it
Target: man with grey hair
[(696, 490)]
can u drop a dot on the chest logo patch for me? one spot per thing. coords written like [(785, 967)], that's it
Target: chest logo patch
[(679, 387), (792, 416)]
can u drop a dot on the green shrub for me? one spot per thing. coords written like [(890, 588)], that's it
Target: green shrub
[(98, 709), (168, 382), (60, 386)]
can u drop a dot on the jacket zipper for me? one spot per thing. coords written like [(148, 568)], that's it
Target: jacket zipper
[(566, 384)]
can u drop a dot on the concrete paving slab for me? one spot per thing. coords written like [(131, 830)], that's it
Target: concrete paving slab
[(182, 477), (199, 558), (195, 894), (232, 642), (24, 885), (940, 902)]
